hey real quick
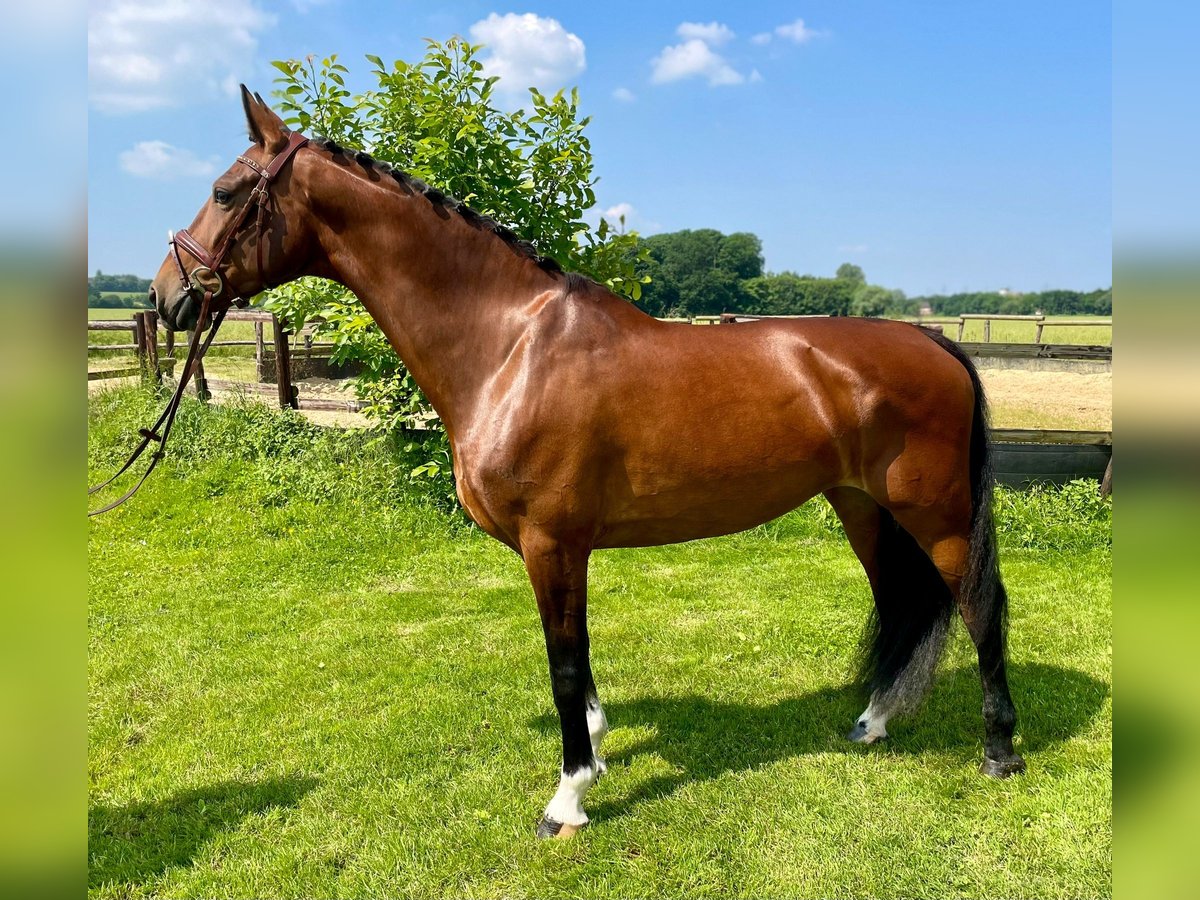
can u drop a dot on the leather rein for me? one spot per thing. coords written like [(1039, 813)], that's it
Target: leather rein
[(207, 281)]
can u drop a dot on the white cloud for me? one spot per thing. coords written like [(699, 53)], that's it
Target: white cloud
[(163, 162), (614, 213), (529, 51), (625, 95), (693, 59), (755, 76), (149, 54), (714, 33), (796, 32)]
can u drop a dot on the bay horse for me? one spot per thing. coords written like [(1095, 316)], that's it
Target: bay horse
[(578, 422)]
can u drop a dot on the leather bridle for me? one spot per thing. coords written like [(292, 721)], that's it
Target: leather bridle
[(207, 281), (212, 283)]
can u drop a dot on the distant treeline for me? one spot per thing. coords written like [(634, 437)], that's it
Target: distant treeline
[(101, 288), (1050, 303), (705, 272)]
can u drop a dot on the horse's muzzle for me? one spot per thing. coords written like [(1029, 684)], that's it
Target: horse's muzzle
[(183, 314)]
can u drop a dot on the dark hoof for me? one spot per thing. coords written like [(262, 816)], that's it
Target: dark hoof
[(859, 734), (1002, 768), (548, 828)]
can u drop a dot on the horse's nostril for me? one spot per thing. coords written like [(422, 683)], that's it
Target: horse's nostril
[(152, 298)]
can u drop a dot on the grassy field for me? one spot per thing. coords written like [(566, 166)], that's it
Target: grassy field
[(305, 682)]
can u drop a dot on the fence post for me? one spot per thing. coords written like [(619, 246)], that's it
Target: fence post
[(283, 366), (201, 382), (987, 331), (139, 341), (962, 323), (150, 330), (259, 350), (1037, 338)]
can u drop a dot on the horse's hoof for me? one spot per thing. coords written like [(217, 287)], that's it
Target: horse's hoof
[(1002, 768), (601, 766), (548, 828), (860, 735)]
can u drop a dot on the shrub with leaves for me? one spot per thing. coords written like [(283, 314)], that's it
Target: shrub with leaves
[(529, 169)]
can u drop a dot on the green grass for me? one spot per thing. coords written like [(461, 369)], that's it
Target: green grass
[(305, 682)]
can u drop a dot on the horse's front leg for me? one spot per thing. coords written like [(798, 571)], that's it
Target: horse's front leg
[(558, 571)]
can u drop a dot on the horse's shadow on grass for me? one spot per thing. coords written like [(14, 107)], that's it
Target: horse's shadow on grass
[(703, 739), (134, 843)]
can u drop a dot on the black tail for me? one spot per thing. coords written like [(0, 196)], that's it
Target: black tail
[(982, 596), (913, 605), (907, 630)]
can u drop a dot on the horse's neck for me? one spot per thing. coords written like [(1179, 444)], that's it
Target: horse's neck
[(448, 296)]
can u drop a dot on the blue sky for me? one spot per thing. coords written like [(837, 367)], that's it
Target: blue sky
[(941, 146)]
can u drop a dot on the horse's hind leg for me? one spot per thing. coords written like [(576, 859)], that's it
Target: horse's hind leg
[(908, 630), (965, 558)]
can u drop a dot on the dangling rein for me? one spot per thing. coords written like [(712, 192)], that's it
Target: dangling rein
[(205, 279)]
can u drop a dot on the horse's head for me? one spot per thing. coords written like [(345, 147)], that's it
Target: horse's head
[(250, 233)]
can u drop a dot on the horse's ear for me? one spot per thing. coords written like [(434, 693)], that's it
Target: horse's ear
[(265, 127)]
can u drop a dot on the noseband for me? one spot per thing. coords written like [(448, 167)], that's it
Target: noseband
[(207, 281)]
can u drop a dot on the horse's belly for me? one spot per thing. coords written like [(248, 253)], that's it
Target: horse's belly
[(707, 508)]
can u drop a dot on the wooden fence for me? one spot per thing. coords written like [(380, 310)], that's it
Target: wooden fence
[(155, 359), (1039, 321)]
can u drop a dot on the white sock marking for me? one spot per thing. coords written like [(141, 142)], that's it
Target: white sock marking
[(876, 723), (597, 729), (567, 804)]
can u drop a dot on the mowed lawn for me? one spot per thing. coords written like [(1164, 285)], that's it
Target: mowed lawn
[(300, 687)]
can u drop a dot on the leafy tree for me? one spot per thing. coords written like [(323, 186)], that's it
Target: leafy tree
[(741, 254), (529, 170), (789, 294), (869, 299), (850, 272), (700, 272)]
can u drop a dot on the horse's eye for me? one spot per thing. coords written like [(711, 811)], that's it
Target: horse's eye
[(221, 196)]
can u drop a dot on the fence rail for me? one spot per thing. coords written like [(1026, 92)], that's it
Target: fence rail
[(1039, 321)]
